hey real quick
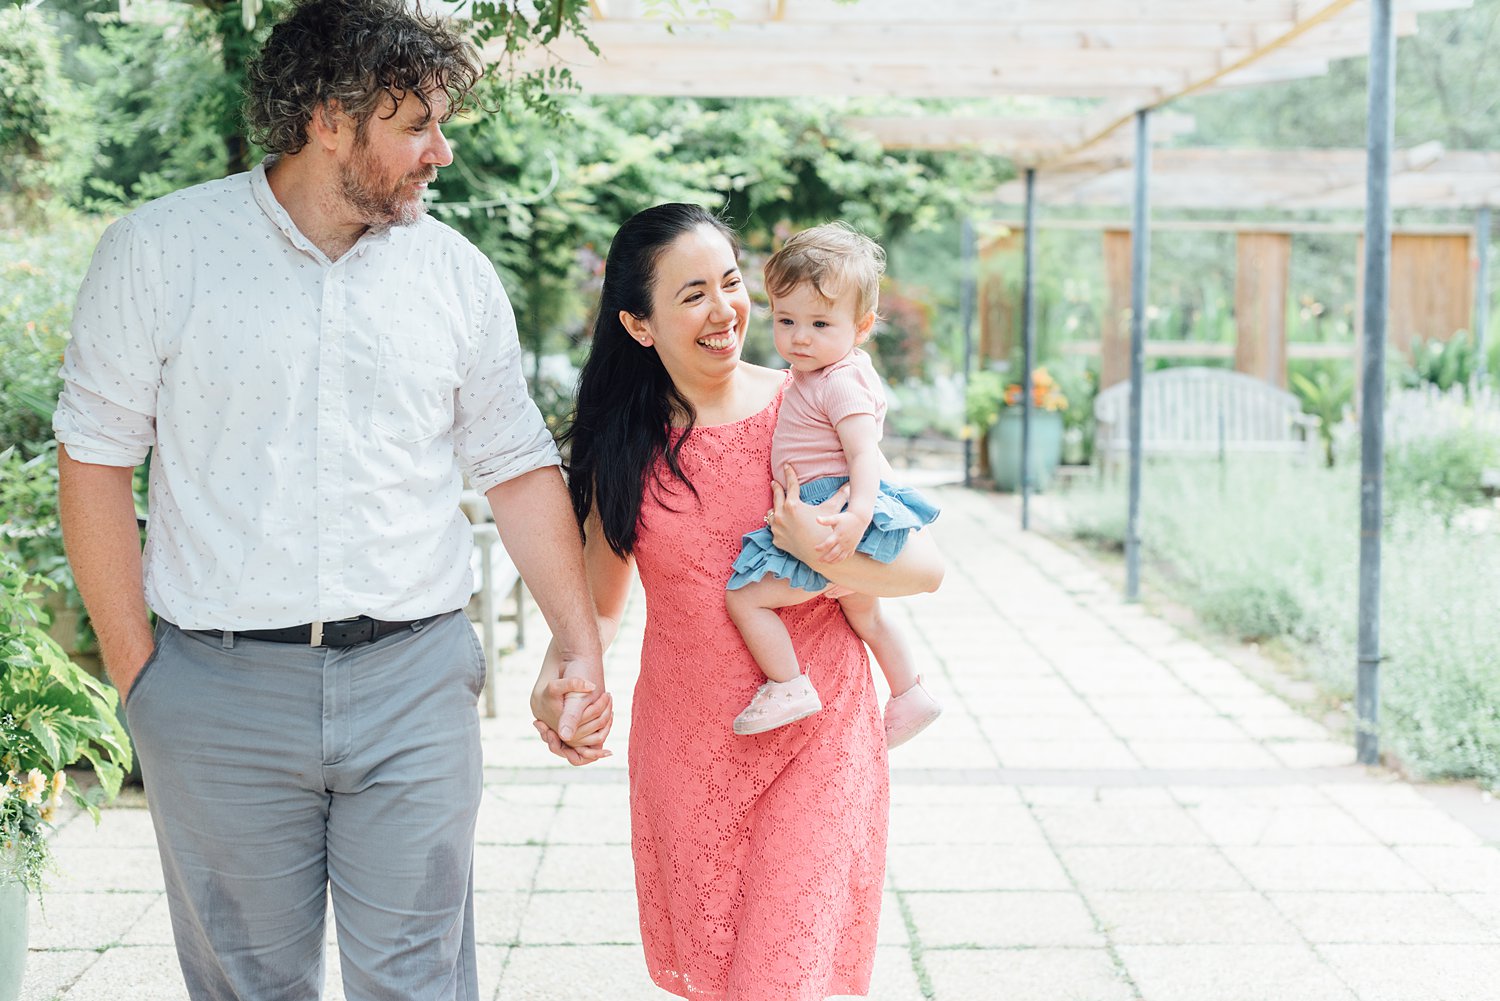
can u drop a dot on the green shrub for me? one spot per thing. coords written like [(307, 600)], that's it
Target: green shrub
[(1442, 473), (39, 277)]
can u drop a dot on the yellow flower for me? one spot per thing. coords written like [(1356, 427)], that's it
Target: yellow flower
[(48, 812), (59, 783)]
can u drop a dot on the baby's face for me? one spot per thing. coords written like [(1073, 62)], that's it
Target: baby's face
[(812, 332)]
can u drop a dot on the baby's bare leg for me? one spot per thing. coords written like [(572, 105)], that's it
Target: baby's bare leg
[(885, 641), (753, 609)]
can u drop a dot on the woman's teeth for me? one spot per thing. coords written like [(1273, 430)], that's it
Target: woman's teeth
[(718, 342)]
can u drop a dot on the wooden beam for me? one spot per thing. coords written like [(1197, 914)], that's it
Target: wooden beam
[(1114, 326), (1431, 288), (705, 76), (1081, 12), (1305, 17), (1231, 226), (1203, 349), (1261, 279)]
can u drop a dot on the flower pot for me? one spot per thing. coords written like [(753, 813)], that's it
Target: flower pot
[(13, 903), (1005, 448)]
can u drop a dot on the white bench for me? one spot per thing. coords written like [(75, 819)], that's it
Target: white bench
[(496, 581), (1201, 412)]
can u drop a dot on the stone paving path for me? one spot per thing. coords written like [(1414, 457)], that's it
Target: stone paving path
[(1108, 810)]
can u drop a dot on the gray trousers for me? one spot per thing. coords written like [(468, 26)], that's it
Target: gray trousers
[(282, 776)]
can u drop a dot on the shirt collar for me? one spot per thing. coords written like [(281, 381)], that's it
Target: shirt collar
[(260, 188)]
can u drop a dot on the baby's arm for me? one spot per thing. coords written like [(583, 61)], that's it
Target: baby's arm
[(858, 433)]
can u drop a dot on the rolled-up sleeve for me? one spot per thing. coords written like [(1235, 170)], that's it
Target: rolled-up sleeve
[(500, 431), (111, 369)]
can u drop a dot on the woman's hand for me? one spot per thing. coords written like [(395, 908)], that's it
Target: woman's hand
[(799, 528), (795, 528)]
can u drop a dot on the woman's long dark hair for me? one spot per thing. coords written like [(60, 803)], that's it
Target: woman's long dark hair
[(626, 401)]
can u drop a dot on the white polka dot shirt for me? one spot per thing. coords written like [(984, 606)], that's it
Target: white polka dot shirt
[(311, 419)]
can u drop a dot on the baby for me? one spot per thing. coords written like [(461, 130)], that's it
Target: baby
[(824, 285)]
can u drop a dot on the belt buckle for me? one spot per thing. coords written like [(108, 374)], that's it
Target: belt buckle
[(316, 638)]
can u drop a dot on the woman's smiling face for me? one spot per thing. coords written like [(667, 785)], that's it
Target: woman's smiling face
[(699, 308)]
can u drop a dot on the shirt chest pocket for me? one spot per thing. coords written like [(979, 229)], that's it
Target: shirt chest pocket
[(413, 397)]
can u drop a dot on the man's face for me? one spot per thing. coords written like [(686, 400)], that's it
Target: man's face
[(393, 158)]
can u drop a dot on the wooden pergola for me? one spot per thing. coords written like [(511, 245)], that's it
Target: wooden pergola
[(1113, 57), (1117, 61)]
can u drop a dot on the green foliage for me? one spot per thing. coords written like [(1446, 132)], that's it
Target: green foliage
[(518, 27), (53, 715), (1440, 475), (39, 276), (1268, 550), (1327, 393), (46, 130), (1445, 363), (169, 109), (542, 200), (984, 399), (925, 406)]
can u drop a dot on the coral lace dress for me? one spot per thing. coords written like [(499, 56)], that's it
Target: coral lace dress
[(758, 860)]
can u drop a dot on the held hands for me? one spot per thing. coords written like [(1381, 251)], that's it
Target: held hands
[(573, 713)]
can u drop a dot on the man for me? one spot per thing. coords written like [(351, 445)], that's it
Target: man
[(314, 364)]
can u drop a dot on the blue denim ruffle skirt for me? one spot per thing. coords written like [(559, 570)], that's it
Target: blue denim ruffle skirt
[(898, 510)]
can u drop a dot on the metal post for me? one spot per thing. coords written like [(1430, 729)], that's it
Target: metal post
[(1372, 419), (1140, 262), (1028, 344), (1481, 291), (966, 314)]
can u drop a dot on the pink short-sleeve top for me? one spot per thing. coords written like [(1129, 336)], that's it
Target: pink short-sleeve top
[(814, 404)]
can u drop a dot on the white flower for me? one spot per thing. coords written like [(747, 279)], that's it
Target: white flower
[(33, 786)]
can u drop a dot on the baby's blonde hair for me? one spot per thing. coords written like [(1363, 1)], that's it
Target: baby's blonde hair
[(830, 258)]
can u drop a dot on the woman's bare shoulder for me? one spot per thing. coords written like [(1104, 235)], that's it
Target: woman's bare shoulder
[(764, 380)]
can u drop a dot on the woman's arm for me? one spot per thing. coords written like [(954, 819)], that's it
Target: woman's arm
[(609, 583), (795, 528)]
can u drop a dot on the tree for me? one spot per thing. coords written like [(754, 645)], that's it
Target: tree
[(46, 139), (542, 200)]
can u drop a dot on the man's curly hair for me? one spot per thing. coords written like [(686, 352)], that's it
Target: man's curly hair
[(353, 53)]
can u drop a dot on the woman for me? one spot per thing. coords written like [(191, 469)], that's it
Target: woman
[(759, 860)]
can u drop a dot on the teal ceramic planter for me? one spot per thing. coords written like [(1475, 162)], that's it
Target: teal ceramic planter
[(13, 902), (1005, 448)]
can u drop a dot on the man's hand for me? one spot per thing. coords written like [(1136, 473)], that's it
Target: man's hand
[(97, 509), (124, 665)]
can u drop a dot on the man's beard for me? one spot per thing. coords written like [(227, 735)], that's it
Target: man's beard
[(377, 203)]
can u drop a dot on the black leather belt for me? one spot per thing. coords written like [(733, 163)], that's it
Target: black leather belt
[(337, 632)]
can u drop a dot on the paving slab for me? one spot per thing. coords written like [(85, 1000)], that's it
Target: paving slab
[(1368, 918), (994, 920), (1214, 917), (1238, 972), (1418, 972), (1026, 975)]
